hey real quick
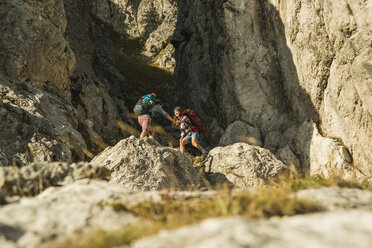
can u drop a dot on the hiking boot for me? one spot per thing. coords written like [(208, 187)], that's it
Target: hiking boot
[(204, 153)]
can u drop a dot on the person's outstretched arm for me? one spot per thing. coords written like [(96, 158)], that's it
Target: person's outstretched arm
[(160, 110), (169, 117)]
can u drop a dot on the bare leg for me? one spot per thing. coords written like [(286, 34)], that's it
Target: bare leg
[(145, 122), (194, 142), (151, 132), (183, 142)]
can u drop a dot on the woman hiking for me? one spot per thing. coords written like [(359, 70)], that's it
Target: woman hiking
[(189, 132), (145, 108)]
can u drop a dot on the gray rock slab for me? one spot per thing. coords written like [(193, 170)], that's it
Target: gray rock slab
[(341, 229), (339, 198), (58, 213)]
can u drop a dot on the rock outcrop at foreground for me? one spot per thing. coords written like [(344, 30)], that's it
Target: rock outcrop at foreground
[(275, 65), (335, 229), (86, 206), (144, 164), (33, 179), (59, 213), (333, 198), (243, 165)]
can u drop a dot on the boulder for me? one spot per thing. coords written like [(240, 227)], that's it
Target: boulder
[(329, 157), (243, 165), (272, 140), (144, 164), (288, 158), (319, 155)]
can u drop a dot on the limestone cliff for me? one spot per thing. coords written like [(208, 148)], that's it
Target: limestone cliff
[(152, 22), (295, 75), (49, 87), (277, 64)]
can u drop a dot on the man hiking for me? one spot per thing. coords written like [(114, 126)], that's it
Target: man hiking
[(189, 131), (145, 108)]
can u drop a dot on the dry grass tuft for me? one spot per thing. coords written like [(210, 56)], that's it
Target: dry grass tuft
[(173, 212), (275, 199), (127, 129)]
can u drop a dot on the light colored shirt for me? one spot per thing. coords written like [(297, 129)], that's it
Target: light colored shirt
[(158, 109)]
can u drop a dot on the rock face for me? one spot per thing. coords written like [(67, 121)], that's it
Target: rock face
[(143, 164), (2, 196), (226, 50), (36, 126), (319, 155), (58, 213), (243, 165), (331, 50), (33, 179), (275, 64), (240, 132), (288, 158), (153, 22), (334, 229), (48, 56), (96, 85), (33, 47)]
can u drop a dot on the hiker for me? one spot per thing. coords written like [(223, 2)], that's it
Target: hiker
[(145, 108), (189, 131)]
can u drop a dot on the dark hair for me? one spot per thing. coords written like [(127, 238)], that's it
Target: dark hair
[(179, 109)]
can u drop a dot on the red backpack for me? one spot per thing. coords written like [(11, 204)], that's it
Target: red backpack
[(194, 119)]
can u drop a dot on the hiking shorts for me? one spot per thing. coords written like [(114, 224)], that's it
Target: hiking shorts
[(145, 122), (191, 136)]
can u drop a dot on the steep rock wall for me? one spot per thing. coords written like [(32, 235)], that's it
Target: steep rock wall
[(96, 85), (54, 50), (152, 22), (227, 63), (33, 47), (275, 65), (331, 47)]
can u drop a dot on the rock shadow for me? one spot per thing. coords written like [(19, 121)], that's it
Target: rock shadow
[(11, 233), (202, 72), (298, 99)]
